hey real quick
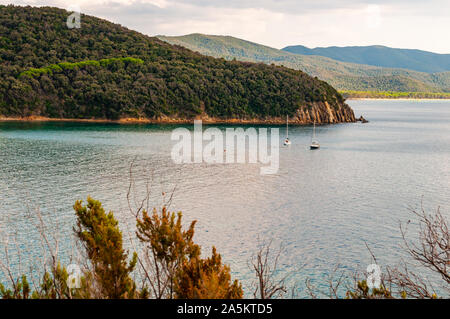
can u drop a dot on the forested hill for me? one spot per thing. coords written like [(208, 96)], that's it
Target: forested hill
[(341, 75), (106, 71)]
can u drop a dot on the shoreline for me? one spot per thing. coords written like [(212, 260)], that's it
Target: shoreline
[(398, 99), (205, 121)]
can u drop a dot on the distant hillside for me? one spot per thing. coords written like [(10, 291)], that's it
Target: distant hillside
[(376, 55), (105, 71), (342, 75)]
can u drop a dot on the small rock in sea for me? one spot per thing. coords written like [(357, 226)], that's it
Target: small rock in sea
[(362, 119)]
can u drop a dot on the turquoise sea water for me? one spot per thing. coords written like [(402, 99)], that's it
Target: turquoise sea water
[(323, 206)]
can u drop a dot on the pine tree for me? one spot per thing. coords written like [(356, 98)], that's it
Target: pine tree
[(102, 239), (168, 246)]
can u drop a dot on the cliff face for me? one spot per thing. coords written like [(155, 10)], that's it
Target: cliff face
[(323, 113), (318, 112)]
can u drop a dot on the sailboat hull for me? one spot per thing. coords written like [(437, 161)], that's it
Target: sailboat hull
[(314, 144)]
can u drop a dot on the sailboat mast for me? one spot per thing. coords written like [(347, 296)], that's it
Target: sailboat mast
[(314, 130), (287, 128)]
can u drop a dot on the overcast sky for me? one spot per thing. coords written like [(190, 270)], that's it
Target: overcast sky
[(277, 23)]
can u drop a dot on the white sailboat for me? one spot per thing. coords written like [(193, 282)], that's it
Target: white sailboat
[(287, 141), (314, 143)]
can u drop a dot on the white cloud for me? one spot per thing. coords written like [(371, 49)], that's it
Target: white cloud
[(277, 23), (373, 16)]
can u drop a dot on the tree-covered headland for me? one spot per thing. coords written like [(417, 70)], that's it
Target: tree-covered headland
[(105, 71)]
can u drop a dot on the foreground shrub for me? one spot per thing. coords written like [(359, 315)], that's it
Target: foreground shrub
[(206, 279), (102, 239), (167, 246), (171, 265)]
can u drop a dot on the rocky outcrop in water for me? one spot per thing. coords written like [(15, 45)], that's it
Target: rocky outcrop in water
[(362, 119)]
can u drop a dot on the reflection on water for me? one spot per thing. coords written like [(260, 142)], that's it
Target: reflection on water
[(323, 205)]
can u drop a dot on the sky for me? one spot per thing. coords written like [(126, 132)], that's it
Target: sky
[(411, 24)]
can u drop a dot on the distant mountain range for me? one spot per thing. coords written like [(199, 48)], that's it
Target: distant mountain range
[(377, 55), (342, 75)]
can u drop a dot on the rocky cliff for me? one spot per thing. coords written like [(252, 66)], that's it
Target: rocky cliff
[(323, 113)]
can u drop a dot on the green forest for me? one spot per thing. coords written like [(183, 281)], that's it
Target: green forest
[(393, 95), (105, 71)]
